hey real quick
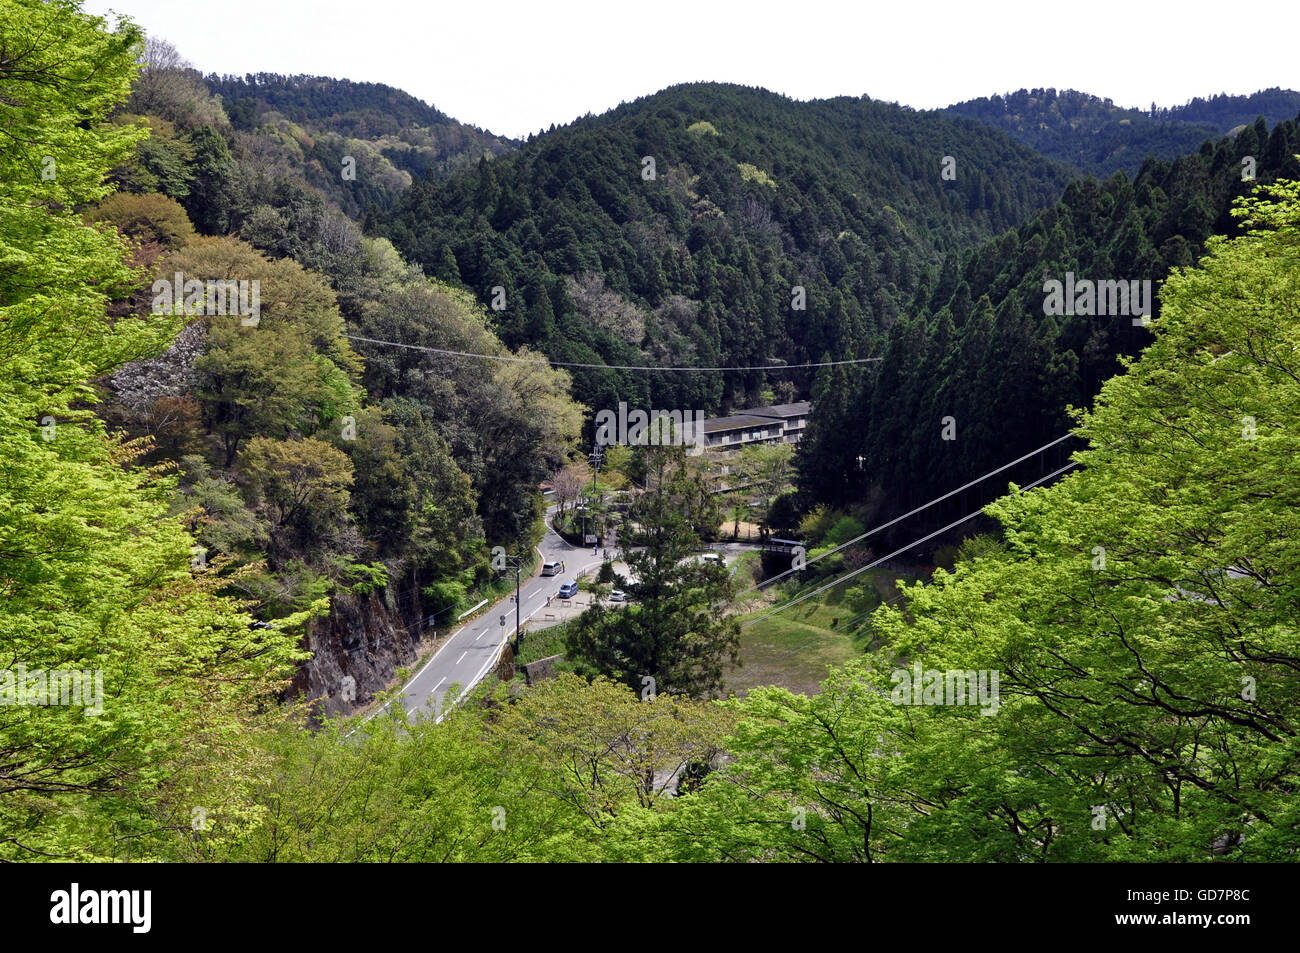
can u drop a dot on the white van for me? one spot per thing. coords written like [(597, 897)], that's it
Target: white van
[(551, 569)]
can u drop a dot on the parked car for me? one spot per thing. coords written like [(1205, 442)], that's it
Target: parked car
[(569, 589), (713, 558), (618, 595)]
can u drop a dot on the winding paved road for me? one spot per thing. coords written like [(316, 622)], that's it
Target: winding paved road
[(474, 649)]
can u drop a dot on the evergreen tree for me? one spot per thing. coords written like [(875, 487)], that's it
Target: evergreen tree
[(670, 637)]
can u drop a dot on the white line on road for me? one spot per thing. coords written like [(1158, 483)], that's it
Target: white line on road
[(495, 657), (462, 656)]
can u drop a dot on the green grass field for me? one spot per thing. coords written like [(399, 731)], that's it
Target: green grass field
[(542, 643), (796, 648)]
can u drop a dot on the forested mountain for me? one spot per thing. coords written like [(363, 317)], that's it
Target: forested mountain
[(599, 263), (365, 110), (674, 230), (1095, 136), (306, 472), (311, 122), (977, 346), (1229, 112)]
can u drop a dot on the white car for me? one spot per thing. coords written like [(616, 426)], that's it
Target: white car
[(618, 595)]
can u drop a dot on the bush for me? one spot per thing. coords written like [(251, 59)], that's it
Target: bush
[(443, 595), (845, 529), (818, 523), (977, 546), (151, 217)]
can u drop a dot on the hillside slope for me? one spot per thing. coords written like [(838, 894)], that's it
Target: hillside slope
[(695, 260), (314, 121), (982, 350)]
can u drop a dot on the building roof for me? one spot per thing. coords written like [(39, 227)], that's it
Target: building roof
[(783, 411), (735, 422)]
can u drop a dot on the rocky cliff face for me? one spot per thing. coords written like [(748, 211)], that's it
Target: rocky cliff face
[(357, 649)]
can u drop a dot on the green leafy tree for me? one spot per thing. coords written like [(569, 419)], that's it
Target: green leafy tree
[(146, 218), (672, 633), (161, 163), (96, 575), (212, 187), (304, 485), (291, 371), (604, 747)]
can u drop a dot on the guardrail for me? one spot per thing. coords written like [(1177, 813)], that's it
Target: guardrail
[(771, 545), (471, 611)]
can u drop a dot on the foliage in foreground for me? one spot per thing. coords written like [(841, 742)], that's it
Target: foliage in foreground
[(95, 577)]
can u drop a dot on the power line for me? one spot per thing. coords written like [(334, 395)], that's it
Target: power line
[(871, 565), (506, 358), (925, 506)]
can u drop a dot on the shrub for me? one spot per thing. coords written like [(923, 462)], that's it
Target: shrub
[(151, 217)]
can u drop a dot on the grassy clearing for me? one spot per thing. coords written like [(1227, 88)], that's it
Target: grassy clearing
[(542, 643), (796, 648)]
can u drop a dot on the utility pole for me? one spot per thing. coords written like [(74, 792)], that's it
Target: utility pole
[(595, 458), (517, 561)]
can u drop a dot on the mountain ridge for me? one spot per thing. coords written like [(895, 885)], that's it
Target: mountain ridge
[(1093, 135), (718, 200)]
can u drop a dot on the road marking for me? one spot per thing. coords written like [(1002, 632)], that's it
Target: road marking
[(496, 657), (411, 684), (462, 656)]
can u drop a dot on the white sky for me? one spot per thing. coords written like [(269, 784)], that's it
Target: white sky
[(516, 67)]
